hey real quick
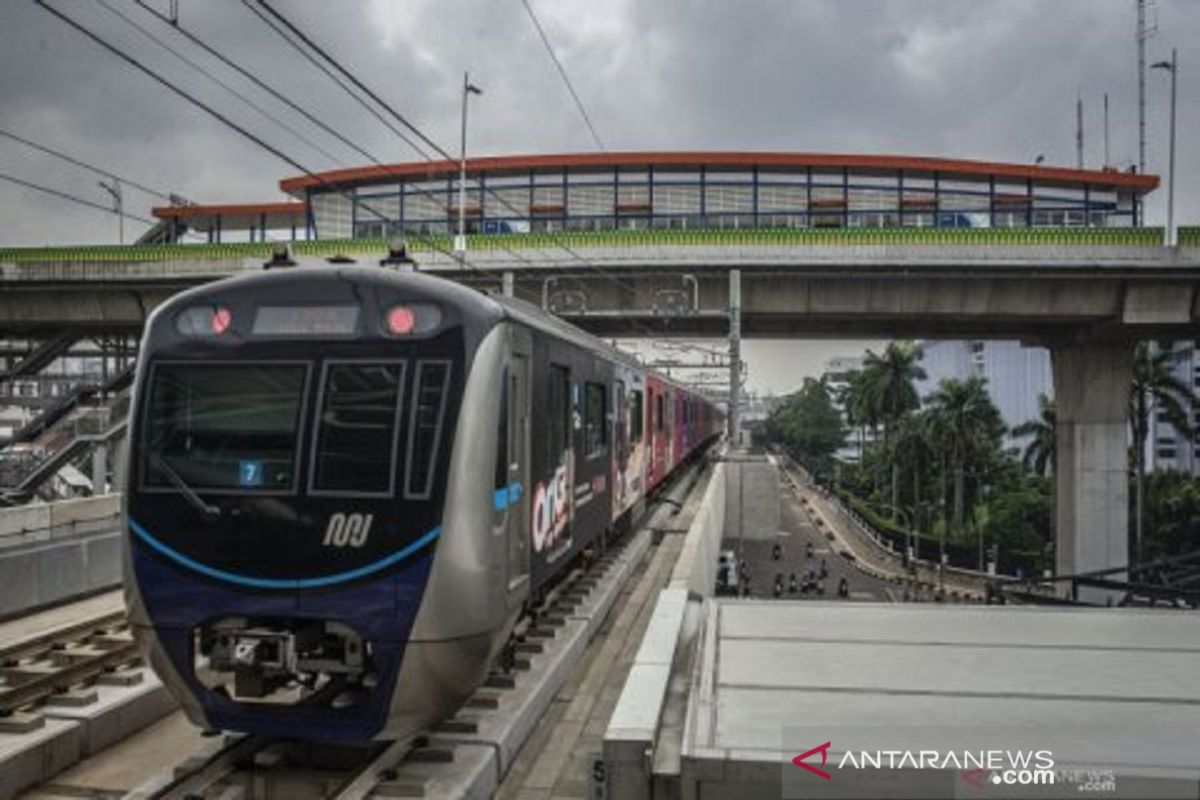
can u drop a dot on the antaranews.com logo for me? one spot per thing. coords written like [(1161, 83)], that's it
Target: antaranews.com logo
[(975, 767), (983, 762)]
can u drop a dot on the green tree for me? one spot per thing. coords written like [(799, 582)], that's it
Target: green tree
[(1154, 387), (1172, 514), (1018, 517), (1038, 456), (888, 380), (972, 425), (809, 426)]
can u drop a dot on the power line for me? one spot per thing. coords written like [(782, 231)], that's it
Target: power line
[(250, 76), (72, 198), (299, 34), (562, 72), (85, 165), (208, 74), (218, 115), (312, 60)]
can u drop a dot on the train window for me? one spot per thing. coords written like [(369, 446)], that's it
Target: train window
[(658, 413), (357, 428), (635, 415), (595, 418), (224, 427), (559, 412), (429, 406)]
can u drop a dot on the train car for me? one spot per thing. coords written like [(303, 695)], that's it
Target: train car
[(346, 483)]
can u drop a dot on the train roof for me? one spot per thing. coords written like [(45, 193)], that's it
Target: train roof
[(483, 306)]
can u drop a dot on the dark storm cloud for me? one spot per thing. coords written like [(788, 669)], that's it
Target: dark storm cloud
[(975, 79)]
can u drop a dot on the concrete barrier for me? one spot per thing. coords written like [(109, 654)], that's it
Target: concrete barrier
[(633, 728), (696, 569), (42, 522), (55, 552)]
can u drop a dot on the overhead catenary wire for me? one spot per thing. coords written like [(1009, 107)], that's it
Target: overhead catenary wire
[(404, 121), (210, 76), (85, 165), (73, 198), (260, 83), (562, 73), (312, 60), (275, 151), (283, 20)]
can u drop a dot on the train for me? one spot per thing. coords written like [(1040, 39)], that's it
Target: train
[(346, 482)]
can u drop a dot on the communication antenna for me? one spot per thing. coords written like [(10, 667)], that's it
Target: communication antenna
[(1079, 132), (1147, 26)]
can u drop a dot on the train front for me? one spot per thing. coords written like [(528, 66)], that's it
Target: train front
[(291, 439)]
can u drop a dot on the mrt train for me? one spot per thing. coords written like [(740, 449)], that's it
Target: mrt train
[(345, 484)]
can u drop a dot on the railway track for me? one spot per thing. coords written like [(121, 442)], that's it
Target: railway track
[(39, 668)]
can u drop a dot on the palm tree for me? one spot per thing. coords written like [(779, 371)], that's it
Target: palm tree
[(1038, 456), (914, 446), (1155, 386), (888, 380), (972, 424)]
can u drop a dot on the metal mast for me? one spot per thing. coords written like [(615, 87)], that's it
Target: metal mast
[(1145, 29)]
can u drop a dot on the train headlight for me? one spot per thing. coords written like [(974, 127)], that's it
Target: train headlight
[(401, 321), (204, 321), (412, 319)]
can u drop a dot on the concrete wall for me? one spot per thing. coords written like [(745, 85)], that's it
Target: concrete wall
[(696, 569), (54, 552)]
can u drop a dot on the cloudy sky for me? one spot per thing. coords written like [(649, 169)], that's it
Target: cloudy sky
[(987, 79)]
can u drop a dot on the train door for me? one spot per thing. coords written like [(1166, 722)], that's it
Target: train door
[(519, 468)]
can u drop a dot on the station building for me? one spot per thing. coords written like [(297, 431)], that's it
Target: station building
[(642, 190)]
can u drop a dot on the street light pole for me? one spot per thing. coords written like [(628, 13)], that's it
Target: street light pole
[(114, 190), (1171, 66), (460, 241)]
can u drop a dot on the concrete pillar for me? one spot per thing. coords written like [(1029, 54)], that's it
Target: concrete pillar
[(1091, 391), (735, 354), (99, 469), (507, 278)]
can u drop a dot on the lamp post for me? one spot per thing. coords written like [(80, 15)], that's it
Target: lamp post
[(460, 241), (1171, 66), (114, 190)]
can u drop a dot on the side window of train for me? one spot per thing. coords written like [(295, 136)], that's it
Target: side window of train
[(425, 427), (559, 409), (359, 423), (595, 417), (635, 416), (658, 413)]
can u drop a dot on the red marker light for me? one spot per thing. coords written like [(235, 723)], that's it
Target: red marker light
[(401, 321), (221, 319)]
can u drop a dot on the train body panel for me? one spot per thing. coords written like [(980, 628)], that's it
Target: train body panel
[(346, 484)]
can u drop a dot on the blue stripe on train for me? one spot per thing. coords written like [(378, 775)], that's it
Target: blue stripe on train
[(283, 583)]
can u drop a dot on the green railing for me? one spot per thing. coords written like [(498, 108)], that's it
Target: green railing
[(1188, 236), (780, 237)]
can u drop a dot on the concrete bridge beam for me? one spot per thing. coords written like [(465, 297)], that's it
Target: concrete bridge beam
[(1091, 389)]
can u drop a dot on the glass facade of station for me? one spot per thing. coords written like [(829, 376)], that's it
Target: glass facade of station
[(629, 197)]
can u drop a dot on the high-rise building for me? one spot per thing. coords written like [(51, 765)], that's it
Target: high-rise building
[(1015, 374)]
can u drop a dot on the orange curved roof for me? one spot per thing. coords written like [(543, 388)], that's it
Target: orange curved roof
[(946, 167)]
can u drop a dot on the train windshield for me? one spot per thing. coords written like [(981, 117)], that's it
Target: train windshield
[(224, 427)]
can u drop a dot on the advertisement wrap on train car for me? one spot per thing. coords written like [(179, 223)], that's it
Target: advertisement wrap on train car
[(552, 511)]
